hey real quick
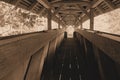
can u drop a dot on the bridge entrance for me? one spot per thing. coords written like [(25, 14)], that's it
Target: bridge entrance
[(70, 31)]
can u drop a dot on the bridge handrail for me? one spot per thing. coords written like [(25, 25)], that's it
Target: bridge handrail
[(108, 43), (16, 52)]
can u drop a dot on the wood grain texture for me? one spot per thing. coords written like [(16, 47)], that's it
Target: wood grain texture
[(109, 44), (15, 52)]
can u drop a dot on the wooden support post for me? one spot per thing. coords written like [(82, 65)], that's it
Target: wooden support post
[(81, 25), (91, 19), (49, 19), (58, 24)]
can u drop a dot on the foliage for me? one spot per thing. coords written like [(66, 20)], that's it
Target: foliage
[(15, 20)]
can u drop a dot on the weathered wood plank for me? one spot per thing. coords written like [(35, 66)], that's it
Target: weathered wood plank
[(109, 44), (15, 52), (45, 3)]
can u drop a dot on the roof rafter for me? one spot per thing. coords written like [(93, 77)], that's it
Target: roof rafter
[(112, 6), (85, 11), (58, 9), (45, 3), (76, 20), (55, 1), (75, 10), (33, 5), (99, 9), (97, 3), (94, 5), (41, 11), (72, 2)]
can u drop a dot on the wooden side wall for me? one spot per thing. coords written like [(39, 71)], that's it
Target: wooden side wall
[(22, 57), (101, 54)]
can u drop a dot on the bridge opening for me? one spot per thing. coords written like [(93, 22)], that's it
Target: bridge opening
[(70, 30)]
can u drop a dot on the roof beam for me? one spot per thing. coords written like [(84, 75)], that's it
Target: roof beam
[(74, 10), (45, 3), (85, 11), (99, 9), (112, 6), (69, 12), (79, 21), (97, 3), (56, 11), (33, 5), (55, 1), (100, 1), (106, 1), (72, 2), (94, 5), (41, 11), (76, 20)]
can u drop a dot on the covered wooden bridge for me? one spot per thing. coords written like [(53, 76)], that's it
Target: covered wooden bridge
[(51, 55)]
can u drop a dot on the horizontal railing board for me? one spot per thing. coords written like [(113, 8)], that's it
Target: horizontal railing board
[(107, 44), (9, 39), (14, 51)]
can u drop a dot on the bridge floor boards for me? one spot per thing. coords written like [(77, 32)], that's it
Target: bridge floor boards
[(66, 62)]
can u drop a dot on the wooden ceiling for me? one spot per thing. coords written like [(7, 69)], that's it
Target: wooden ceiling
[(68, 11)]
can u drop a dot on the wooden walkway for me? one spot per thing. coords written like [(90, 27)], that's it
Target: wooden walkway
[(66, 63)]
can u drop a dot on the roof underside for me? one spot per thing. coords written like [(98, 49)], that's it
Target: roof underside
[(68, 11)]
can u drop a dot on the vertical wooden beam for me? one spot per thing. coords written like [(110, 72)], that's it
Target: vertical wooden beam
[(81, 25), (91, 19), (49, 16), (58, 24), (75, 21)]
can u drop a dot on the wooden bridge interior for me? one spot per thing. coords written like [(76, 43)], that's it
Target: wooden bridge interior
[(51, 55)]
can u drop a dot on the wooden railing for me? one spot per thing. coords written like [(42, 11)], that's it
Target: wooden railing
[(102, 50), (22, 57)]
